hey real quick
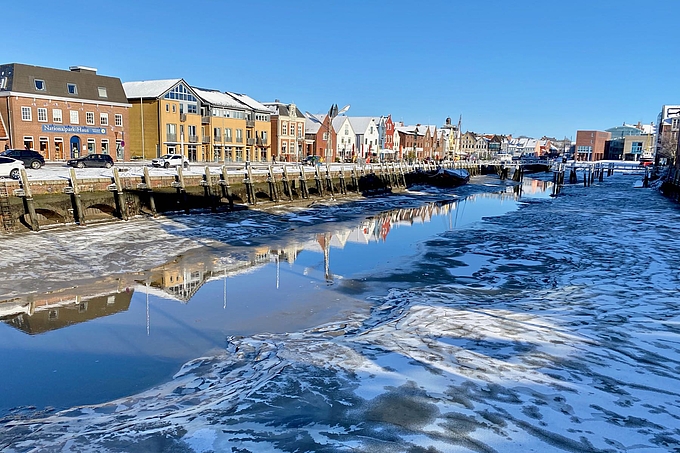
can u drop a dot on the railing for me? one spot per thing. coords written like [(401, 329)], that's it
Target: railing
[(205, 120), (251, 141), (182, 117), (206, 139), (250, 123), (193, 139), (171, 137), (261, 141), (217, 138)]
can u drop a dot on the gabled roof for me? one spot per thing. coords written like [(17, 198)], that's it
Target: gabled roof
[(281, 109), (149, 89), (312, 127), (360, 123), (338, 121), (21, 78), (217, 98), (250, 102)]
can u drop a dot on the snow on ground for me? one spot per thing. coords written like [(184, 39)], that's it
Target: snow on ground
[(564, 337)]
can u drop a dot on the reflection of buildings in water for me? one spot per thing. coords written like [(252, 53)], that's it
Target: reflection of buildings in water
[(67, 307)]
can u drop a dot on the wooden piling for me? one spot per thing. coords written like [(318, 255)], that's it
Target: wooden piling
[(304, 190), (149, 191), (120, 196), (78, 214), (29, 206), (287, 189), (226, 188)]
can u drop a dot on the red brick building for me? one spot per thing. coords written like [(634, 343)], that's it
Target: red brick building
[(62, 114), (589, 145)]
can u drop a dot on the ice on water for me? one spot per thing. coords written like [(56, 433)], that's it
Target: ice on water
[(547, 342)]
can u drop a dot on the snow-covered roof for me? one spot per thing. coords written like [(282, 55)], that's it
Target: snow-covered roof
[(360, 123), (148, 88), (214, 97), (312, 127), (250, 102)]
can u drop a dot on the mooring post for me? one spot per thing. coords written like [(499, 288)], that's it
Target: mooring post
[(226, 188), (29, 205), (286, 183), (120, 196), (317, 180), (355, 179), (329, 180), (601, 173), (304, 191), (149, 191), (207, 190), (181, 189), (78, 214), (271, 182), (343, 186), (645, 182), (252, 198)]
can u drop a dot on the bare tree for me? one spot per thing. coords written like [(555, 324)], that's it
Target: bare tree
[(668, 148)]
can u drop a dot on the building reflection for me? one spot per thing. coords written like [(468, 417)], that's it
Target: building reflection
[(37, 314), (181, 278)]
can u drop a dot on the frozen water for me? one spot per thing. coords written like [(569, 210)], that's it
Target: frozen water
[(564, 337)]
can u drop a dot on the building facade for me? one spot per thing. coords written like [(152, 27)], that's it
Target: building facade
[(590, 145), (63, 114), (287, 131)]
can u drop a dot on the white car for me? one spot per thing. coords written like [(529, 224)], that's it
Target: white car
[(10, 167), (170, 160)]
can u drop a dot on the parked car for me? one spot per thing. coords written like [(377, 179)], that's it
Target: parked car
[(312, 160), (170, 160), (92, 160), (29, 157), (10, 167)]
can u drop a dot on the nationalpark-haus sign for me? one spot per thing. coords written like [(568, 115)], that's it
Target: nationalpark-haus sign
[(73, 129)]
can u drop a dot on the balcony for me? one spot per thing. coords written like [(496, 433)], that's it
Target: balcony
[(171, 137), (183, 117), (205, 120), (250, 141), (206, 139), (261, 141), (250, 123), (217, 139), (193, 139)]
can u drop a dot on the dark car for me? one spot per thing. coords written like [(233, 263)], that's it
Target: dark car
[(30, 158), (91, 160)]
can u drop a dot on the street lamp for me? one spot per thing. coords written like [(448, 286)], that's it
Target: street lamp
[(332, 113)]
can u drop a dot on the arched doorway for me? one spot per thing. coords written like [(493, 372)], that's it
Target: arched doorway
[(74, 146)]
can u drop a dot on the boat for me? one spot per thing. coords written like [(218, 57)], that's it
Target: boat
[(445, 177)]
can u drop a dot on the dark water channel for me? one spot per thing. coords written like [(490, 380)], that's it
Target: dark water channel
[(123, 334)]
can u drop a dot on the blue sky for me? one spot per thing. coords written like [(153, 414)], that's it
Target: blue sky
[(510, 67)]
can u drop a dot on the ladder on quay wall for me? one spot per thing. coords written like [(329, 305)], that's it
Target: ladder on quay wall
[(5, 211)]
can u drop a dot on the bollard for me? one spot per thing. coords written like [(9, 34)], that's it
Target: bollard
[(317, 181)]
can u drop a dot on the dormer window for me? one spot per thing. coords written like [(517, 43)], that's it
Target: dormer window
[(39, 84), (72, 88), (102, 92)]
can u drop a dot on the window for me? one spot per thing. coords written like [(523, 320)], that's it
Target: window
[(284, 148), (3, 83), (44, 145), (105, 146), (72, 88), (118, 118), (28, 142), (39, 84), (91, 146), (217, 134), (42, 115), (227, 135), (284, 128), (26, 114), (299, 130), (74, 116), (292, 129), (264, 137), (636, 147), (89, 118), (239, 135), (104, 119), (325, 136), (174, 108), (56, 115), (167, 107), (102, 92)]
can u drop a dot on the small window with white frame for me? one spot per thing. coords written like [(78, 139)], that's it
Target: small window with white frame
[(102, 92), (56, 115), (118, 119), (28, 141), (26, 114), (104, 119), (39, 85), (74, 116), (89, 118), (42, 114), (72, 88)]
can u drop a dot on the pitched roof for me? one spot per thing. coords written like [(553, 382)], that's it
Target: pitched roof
[(360, 123), (148, 88), (312, 127), (214, 97), (281, 109), (250, 102), (21, 78)]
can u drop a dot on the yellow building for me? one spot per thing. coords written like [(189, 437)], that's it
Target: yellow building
[(165, 118)]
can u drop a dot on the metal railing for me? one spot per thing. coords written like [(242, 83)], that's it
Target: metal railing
[(206, 139), (250, 123), (193, 139), (171, 137)]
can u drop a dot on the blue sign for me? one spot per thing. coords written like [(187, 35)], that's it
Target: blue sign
[(73, 129)]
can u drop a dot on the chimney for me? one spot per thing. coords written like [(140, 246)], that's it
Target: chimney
[(85, 69)]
